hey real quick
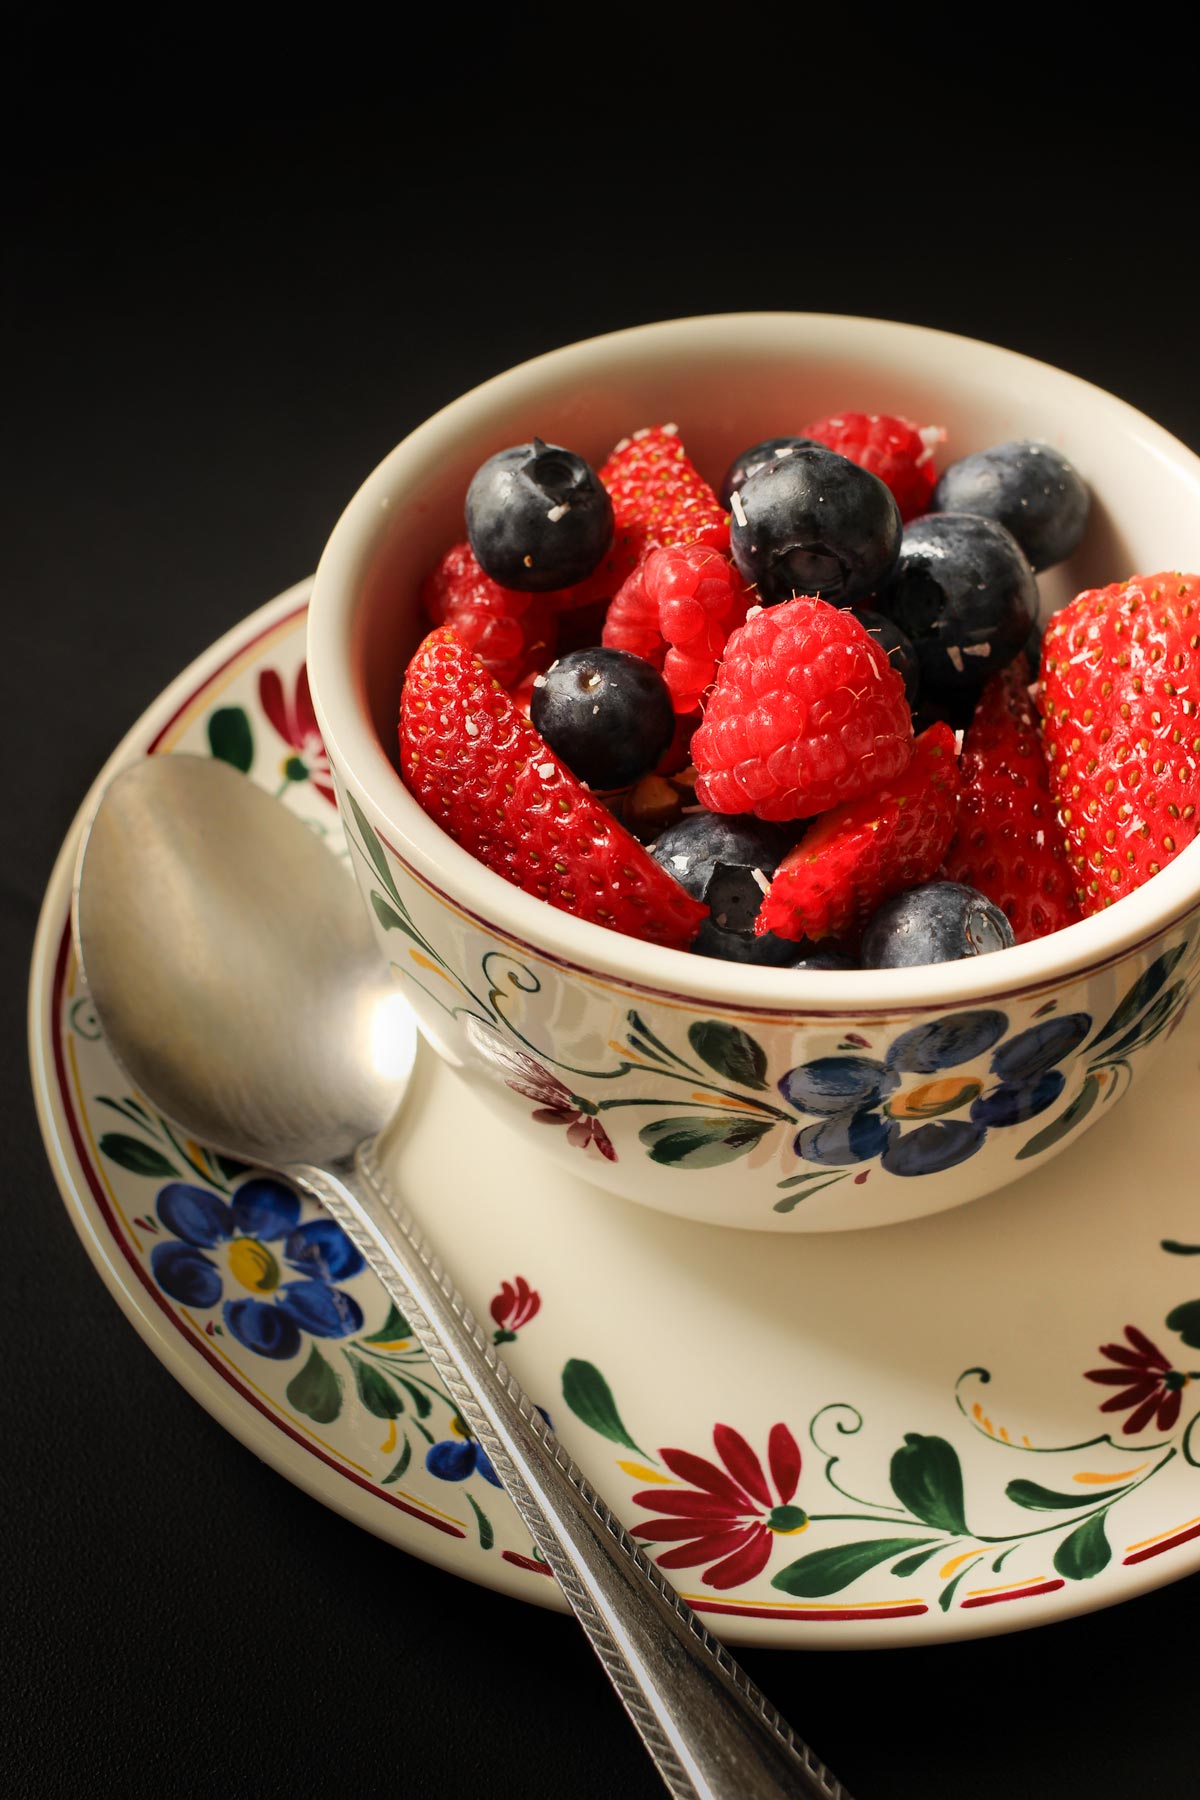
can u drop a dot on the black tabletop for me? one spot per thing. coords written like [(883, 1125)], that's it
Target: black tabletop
[(228, 306)]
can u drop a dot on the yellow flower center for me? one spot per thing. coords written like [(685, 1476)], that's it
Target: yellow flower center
[(933, 1098), (252, 1264)]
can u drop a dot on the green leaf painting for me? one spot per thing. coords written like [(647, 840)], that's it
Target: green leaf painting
[(375, 1390), (703, 1141), (732, 1052), (828, 1571), (132, 1154), (927, 1479), (1085, 1552), (230, 738), (1036, 1498), (1052, 1134), (1185, 1319), (316, 1391), (590, 1398), (1140, 995), (394, 1330)]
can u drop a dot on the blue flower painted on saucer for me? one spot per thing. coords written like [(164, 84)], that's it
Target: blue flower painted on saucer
[(248, 1242), (922, 1108), (457, 1457)]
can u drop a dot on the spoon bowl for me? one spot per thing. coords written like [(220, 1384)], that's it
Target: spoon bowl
[(198, 900)]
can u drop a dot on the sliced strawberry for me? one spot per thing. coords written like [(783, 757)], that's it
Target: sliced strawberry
[(1009, 844), (509, 632), (479, 768), (1120, 693), (858, 855)]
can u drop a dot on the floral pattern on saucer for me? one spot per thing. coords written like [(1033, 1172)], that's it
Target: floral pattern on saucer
[(865, 1515)]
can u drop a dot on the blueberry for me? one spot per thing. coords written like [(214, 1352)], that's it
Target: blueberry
[(813, 957), (715, 857), (940, 922), (1033, 651), (757, 457), (966, 597), (607, 714), (814, 523), (1027, 487), (538, 517), (900, 652)]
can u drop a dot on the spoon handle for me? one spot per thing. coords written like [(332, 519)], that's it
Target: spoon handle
[(709, 1730)]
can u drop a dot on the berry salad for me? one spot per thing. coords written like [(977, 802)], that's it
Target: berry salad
[(806, 718)]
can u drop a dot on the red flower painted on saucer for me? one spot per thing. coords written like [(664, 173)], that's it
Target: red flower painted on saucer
[(295, 719), (728, 1516), (514, 1306), (1150, 1387)]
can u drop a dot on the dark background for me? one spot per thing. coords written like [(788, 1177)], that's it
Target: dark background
[(231, 287)]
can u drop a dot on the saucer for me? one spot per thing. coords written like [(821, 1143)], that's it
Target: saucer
[(974, 1423)]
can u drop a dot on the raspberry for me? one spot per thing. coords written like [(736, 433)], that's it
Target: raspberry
[(858, 855), (676, 610), (807, 713), (482, 772), (1009, 845), (508, 631), (897, 451), (1120, 683)]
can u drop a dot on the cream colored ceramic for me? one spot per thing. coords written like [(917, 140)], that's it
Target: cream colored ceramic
[(687, 1084), (974, 1423)]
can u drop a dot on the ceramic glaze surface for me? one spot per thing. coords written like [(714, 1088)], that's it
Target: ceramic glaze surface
[(974, 1423), (732, 1095)]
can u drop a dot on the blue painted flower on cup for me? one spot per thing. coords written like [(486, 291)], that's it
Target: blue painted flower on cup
[(249, 1242), (922, 1107)]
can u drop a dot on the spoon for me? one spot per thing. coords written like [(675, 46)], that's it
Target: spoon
[(238, 984)]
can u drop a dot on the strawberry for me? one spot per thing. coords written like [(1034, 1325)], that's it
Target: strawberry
[(1119, 696), (897, 451), (1009, 844), (479, 768), (807, 712), (856, 856), (658, 498), (510, 632)]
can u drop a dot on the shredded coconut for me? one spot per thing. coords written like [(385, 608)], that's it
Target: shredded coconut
[(558, 512), (977, 649), (761, 879), (623, 445), (670, 431), (931, 436), (682, 862), (471, 728), (539, 681), (752, 612), (958, 742), (545, 770), (955, 655), (695, 809), (739, 511)]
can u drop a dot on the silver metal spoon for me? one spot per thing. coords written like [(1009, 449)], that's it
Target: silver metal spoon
[(239, 986)]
